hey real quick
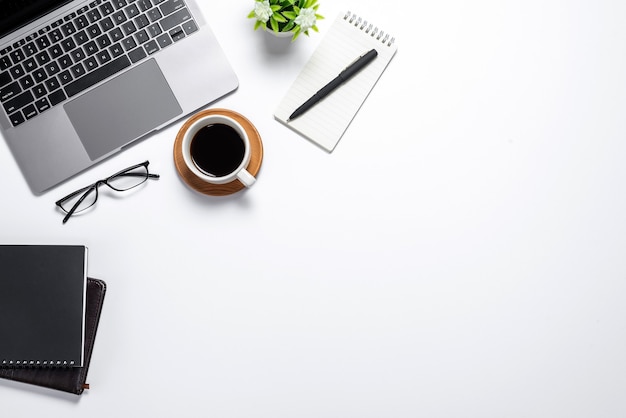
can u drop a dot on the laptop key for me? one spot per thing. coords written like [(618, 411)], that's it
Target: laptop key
[(154, 30), (132, 11), (175, 19), (142, 37), (17, 56), (30, 65), (103, 41), (68, 29), (5, 62), (78, 54), (103, 56), (119, 17), (81, 37), (52, 84), (190, 27), (78, 70), (177, 34), (97, 75), (18, 102), (43, 42), (94, 30), (90, 48), (42, 57), (68, 44), (27, 82), (142, 21), (17, 118), (17, 71), (82, 22), (137, 54), (129, 43), (52, 68), (91, 64), (93, 15), (144, 5), (55, 35), (129, 27), (116, 50), (5, 78), (154, 15), (42, 105), (164, 40), (9, 91), (65, 77), (39, 91), (30, 111), (151, 47), (65, 61), (116, 34), (107, 8), (55, 51), (106, 24), (56, 97), (119, 3), (30, 49), (171, 6)]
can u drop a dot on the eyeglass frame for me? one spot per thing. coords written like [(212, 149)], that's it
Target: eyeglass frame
[(94, 187)]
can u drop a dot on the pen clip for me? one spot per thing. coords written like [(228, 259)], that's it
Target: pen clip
[(357, 58)]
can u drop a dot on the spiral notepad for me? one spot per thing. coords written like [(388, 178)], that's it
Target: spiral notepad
[(349, 37), (42, 305)]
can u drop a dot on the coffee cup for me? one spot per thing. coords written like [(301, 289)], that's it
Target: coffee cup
[(216, 148)]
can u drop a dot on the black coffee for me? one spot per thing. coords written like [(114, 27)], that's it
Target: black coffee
[(217, 150)]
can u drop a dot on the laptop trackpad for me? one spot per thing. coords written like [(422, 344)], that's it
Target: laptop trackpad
[(122, 109)]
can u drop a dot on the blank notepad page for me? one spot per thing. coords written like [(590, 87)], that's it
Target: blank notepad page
[(349, 37)]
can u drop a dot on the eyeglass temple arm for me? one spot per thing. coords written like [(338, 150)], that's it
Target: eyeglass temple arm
[(71, 211), (149, 175)]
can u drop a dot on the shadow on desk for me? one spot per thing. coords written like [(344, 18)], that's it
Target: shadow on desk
[(8, 385)]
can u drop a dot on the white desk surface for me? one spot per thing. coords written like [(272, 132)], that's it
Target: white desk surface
[(460, 253)]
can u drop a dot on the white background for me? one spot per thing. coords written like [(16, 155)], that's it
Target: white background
[(460, 253)]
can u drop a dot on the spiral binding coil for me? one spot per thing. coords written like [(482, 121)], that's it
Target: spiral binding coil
[(370, 29), (36, 363)]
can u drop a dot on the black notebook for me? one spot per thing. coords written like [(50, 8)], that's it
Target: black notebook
[(42, 305), (67, 379)]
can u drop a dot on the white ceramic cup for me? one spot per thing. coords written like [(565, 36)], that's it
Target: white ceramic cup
[(239, 173)]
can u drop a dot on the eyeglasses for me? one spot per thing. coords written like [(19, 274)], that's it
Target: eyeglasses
[(121, 181)]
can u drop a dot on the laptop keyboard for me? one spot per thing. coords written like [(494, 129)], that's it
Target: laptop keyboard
[(84, 48)]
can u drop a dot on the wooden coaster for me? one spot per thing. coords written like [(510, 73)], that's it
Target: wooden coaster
[(199, 185)]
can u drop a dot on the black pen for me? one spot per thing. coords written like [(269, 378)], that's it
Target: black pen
[(346, 74)]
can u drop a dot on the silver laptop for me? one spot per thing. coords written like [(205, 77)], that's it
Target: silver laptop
[(80, 80)]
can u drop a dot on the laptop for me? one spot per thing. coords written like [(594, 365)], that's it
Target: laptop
[(81, 80)]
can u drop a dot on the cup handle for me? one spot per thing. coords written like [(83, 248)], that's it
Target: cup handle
[(246, 178)]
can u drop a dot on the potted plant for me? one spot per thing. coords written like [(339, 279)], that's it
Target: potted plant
[(289, 17)]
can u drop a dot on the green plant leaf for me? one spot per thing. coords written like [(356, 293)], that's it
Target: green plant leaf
[(290, 15), (274, 24), (251, 14), (279, 18), (295, 35), (257, 24)]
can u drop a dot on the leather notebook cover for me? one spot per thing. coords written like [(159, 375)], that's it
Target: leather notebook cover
[(70, 379)]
